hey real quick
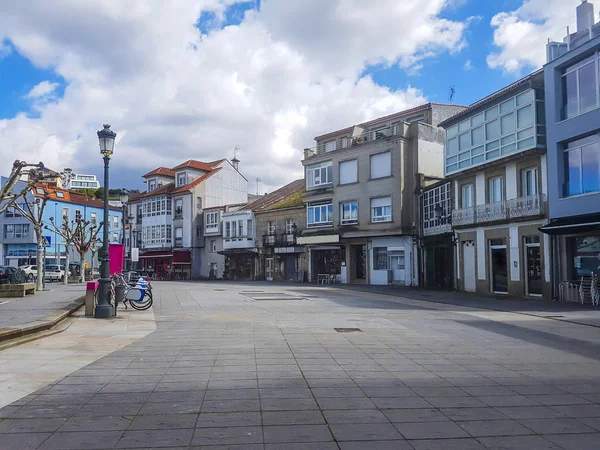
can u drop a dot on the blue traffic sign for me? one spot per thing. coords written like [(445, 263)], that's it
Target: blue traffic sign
[(48, 241)]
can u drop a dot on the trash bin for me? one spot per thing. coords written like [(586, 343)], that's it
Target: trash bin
[(119, 295)]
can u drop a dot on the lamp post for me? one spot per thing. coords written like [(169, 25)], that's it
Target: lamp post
[(104, 309), (130, 222), (56, 256), (124, 197)]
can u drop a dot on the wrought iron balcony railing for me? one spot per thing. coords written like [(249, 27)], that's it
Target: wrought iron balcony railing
[(514, 209)]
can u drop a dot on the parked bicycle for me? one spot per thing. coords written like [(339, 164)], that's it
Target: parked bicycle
[(138, 293)]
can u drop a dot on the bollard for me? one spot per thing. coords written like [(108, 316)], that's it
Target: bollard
[(90, 291), (119, 295)]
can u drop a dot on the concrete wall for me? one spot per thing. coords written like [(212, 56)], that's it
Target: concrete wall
[(561, 131)]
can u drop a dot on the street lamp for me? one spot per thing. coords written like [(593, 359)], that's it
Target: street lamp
[(104, 309), (130, 222)]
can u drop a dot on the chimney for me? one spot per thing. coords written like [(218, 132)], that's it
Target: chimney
[(235, 163), (585, 16)]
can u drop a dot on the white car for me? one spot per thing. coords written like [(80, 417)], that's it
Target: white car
[(54, 272), (30, 271)]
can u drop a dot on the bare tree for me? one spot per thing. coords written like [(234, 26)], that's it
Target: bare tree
[(67, 231), (34, 174), (33, 211), (85, 236)]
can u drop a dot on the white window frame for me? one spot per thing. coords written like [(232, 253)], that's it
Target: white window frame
[(181, 179), (529, 181), (470, 188), (289, 226), (323, 207), (353, 219), (271, 228), (211, 221), (495, 185), (330, 146), (381, 213), (319, 174)]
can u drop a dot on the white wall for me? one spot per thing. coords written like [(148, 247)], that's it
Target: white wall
[(380, 277), (480, 189), (226, 187), (189, 214), (511, 181), (431, 158)]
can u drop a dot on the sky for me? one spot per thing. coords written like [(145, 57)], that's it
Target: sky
[(193, 79)]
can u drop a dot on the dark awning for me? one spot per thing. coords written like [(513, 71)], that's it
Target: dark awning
[(238, 251), (182, 257), (573, 225)]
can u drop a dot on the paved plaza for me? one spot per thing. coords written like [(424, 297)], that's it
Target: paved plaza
[(259, 366)]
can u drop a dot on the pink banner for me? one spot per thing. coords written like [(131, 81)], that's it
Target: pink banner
[(116, 253)]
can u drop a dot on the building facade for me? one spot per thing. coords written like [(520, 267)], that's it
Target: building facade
[(573, 116), (83, 181), (18, 245), (362, 190), (495, 157), (169, 216), (239, 246)]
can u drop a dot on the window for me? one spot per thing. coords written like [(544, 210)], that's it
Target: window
[(178, 236), (213, 246), (139, 214), (319, 174), (151, 185), (320, 215), (580, 88), (381, 165), (380, 258), (198, 231), (349, 171), (582, 166), (60, 194), (496, 189), (181, 179), (467, 196), (40, 191), (418, 118), (158, 206), (381, 209), (212, 221), (115, 237), (289, 226), (240, 228), (77, 214), (11, 211), (16, 231), (250, 225), (93, 218), (330, 146), (178, 207), (227, 229), (233, 228), (65, 214), (529, 181), (349, 212), (271, 228), (156, 235), (115, 221)]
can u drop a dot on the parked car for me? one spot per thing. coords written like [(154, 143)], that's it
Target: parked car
[(74, 269), (54, 272), (12, 275), (30, 271)]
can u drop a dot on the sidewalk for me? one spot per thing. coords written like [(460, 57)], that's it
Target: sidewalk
[(40, 311), (567, 312)]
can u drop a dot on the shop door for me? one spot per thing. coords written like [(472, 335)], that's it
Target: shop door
[(269, 269), (290, 267), (498, 266), (396, 265), (533, 261), (360, 260), (469, 266)]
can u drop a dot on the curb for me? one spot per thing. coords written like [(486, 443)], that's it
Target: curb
[(45, 323)]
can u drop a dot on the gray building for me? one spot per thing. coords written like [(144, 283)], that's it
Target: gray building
[(573, 116), (362, 188), (495, 157)]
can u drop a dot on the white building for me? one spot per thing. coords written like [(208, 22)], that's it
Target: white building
[(82, 181)]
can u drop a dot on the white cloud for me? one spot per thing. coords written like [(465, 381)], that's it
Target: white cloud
[(43, 89), (270, 84), (468, 65), (521, 35)]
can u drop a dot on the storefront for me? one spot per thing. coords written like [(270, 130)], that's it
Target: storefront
[(392, 261), (156, 264), (239, 264)]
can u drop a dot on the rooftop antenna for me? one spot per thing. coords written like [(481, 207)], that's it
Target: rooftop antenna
[(451, 93), (235, 161), (258, 180)]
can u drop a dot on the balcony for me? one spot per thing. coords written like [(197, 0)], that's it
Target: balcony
[(434, 229), (287, 239), (238, 242), (514, 209), (269, 240)]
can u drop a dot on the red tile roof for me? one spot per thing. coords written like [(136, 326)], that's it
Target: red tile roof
[(267, 201), (163, 171), (388, 117), (68, 196), (193, 164), (163, 190)]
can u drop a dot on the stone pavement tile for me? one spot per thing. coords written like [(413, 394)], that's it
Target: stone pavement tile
[(183, 378), (163, 422), (233, 419), (479, 428), (521, 443), (233, 384), (562, 425), (231, 394), (337, 392), (508, 400), (171, 408), (454, 402), (415, 415), (175, 396), (293, 392), (94, 423), (87, 380), (448, 391), (188, 370), (128, 379), (39, 411), (122, 397), (31, 425), (63, 399), (478, 391), (530, 412), (354, 416), (461, 414), (471, 381), (593, 422), (542, 389), (288, 404), (447, 444), (299, 446), (331, 383), (181, 387), (156, 438), (297, 433), (287, 383), (345, 403), (559, 399), (127, 387), (230, 435), (578, 410), (430, 430), (580, 388), (22, 441), (235, 405), (394, 391), (365, 432), (80, 440), (292, 418), (376, 445), (74, 389)]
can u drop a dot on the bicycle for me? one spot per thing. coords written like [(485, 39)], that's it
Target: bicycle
[(138, 294)]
